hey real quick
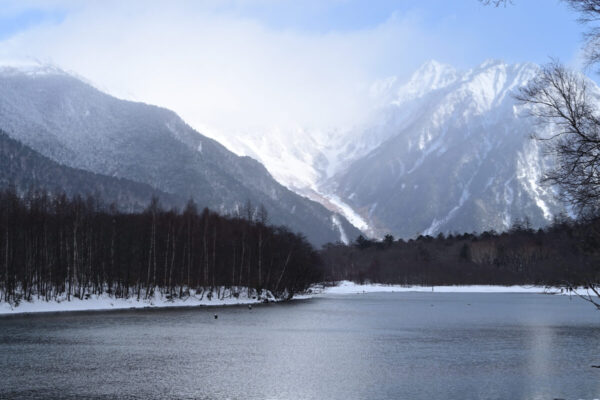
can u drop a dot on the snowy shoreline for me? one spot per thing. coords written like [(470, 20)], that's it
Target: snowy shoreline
[(348, 287), (106, 302)]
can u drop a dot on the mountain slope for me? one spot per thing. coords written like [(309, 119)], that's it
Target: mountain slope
[(458, 157), (71, 122), (25, 168), (445, 151)]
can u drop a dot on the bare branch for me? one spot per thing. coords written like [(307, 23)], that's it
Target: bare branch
[(559, 97), (588, 9), (496, 3)]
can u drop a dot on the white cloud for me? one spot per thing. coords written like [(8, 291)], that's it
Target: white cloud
[(220, 71)]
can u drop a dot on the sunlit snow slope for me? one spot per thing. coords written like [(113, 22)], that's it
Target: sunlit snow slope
[(445, 151)]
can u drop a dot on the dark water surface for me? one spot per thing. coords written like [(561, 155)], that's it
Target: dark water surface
[(370, 346)]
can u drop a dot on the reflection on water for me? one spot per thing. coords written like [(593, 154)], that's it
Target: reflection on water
[(384, 346), (540, 363)]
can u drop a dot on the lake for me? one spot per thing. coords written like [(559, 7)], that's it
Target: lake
[(368, 346)]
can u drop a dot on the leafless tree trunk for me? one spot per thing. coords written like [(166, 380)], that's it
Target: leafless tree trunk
[(560, 98)]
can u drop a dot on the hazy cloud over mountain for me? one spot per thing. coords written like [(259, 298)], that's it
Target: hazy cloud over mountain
[(244, 66)]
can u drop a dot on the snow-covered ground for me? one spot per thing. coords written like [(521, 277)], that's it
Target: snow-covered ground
[(347, 287), (226, 297), (106, 302)]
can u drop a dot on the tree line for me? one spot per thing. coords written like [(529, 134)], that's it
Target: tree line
[(54, 246), (565, 254)]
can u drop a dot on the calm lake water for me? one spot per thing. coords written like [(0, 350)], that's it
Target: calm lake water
[(369, 346)]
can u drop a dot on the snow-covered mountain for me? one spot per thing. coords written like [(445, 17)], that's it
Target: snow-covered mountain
[(70, 122), (445, 151), (458, 156)]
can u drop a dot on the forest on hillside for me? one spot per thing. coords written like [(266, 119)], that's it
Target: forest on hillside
[(564, 254), (55, 246)]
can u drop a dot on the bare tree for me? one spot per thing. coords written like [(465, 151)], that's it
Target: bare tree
[(560, 97), (496, 3), (589, 15)]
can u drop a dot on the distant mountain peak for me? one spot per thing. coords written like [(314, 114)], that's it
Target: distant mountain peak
[(432, 75), (28, 66), (452, 156), (442, 150), (492, 62), (484, 86), (433, 66)]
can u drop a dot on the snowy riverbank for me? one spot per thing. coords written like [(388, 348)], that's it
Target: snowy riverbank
[(347, 287), (223, 297)]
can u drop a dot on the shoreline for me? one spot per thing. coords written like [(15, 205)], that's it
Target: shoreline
[(349, 287), (106, 302)]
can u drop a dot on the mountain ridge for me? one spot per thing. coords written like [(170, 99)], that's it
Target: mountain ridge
[(474, 128), (69, 121), (415, 123)]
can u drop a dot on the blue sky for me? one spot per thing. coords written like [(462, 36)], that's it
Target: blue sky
[(275, 61), (9, 25), (528, 30)]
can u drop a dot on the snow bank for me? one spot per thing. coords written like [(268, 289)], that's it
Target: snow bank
[(225, 297), (347, 287), (107, 302)]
